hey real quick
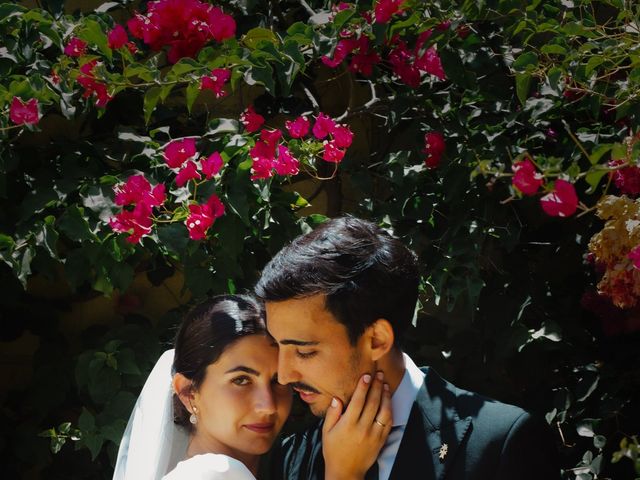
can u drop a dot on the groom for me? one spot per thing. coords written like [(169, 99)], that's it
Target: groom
[(338, 301)]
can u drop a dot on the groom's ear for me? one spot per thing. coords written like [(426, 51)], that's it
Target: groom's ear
[(382, 338), (184, 389)]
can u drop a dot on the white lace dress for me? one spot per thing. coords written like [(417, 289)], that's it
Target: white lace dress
[(210, 466)]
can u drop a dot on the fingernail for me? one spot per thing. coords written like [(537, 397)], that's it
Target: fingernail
[(386, 387), (367, 378), (379, 376), (334, 402)]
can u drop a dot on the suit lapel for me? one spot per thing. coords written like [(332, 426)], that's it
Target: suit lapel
[(433, 433)]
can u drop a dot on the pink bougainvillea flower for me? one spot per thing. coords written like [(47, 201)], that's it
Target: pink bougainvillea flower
[(179, 151), (626, 179), (222, 26), (75, 47), (271, 137), (385, 9), (363, 63), (201, 217), (92, 86), (117, 38), (344, 47), (55, 78), (286, 164), (184, 26), (215, 82), (634, 256), (136, 190), (562, 201), (434, 147), (332, 153), (132, 48), (263, 158), (299, 127), (525, 177), (403, 63), (211, 165), (430, 63), (136, 222), (251, 120), (324, 126), (24, 113), (342, 136), (186, 173)]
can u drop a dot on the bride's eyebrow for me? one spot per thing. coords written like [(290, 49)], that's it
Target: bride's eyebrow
[(242, 368)]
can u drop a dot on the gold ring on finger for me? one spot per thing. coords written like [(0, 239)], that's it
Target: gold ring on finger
[(380, 423)]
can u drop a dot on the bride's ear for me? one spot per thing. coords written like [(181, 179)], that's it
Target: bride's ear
[(183, 387)]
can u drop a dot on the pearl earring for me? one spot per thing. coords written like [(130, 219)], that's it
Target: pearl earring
[(193, 419)]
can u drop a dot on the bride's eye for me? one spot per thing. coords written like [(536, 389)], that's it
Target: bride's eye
[(241, 381)]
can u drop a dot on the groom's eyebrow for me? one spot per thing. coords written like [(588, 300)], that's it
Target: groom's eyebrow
[(242, 368), (299, 343)]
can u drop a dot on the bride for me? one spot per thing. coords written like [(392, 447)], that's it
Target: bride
[(211, 407)]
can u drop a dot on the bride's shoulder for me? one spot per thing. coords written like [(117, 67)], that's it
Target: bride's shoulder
[(210, 466)]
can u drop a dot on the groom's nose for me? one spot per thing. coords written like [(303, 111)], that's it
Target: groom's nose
[(286, 371)]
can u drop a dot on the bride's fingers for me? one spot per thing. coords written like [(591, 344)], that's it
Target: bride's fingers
[(354, 409), (334, 412), (374, 398), (384, 418)]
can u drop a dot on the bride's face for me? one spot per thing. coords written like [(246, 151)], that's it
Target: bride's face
[(241, 406)]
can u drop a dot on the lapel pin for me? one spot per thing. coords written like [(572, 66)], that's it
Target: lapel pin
[(444, 448)]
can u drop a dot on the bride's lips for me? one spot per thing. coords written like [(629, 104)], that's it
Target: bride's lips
[(260, 427), (306, 396)]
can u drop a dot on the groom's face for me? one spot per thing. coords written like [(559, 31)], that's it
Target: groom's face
[(316, 357)]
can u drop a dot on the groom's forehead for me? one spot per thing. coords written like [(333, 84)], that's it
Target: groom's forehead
[(301, 319)]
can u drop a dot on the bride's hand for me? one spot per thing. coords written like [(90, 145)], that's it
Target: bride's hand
[(351, 441)]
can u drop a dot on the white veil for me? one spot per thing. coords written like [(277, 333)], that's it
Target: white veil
[(152, 444)]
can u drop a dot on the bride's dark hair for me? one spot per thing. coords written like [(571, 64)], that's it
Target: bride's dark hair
[(206, 331)]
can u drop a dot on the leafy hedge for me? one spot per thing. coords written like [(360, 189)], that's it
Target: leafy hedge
[(172, 139)]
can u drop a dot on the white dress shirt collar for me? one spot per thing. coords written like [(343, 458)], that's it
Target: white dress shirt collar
[(406, 393)]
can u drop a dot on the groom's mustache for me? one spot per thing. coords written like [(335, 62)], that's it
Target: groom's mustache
[(304, 387)]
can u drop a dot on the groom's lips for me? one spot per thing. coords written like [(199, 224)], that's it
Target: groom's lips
[(306, 396), (261, 427)]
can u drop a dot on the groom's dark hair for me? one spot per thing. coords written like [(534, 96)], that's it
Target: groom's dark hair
[(365, 273), (206, 332)]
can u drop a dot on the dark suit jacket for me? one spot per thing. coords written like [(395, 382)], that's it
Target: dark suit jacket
[(485, 439)]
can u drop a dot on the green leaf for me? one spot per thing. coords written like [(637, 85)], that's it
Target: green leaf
[(193, 90), (93, 34), (256, 35), (7, 10), (262, 74), (174, 237), (121, 276), (184, 65), (455, 69), (47, 237), (523, 85), (127, 362), (341, 18), (524, 60), (553, 49), (593, 178), (74, 224), (599, 151), (150, 101), (593, 63)]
